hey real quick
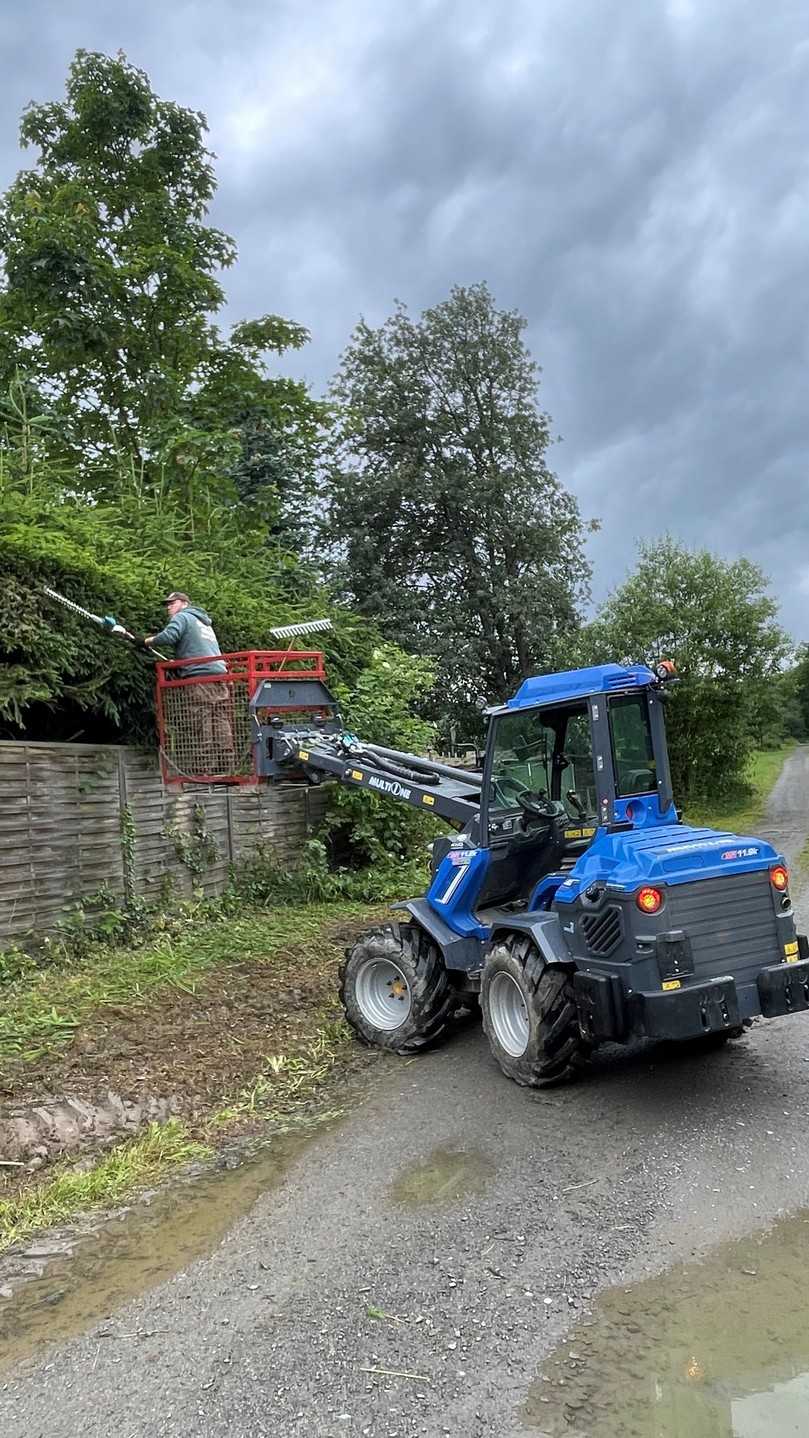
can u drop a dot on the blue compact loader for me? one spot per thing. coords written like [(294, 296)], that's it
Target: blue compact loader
[(571, 902)]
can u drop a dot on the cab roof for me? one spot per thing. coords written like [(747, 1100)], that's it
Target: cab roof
[(577, 684)]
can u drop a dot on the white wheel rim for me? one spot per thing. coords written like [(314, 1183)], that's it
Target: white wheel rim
[(508, 1014), (383, 994)]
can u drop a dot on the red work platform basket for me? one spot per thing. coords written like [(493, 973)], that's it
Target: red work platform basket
[(204, 720)]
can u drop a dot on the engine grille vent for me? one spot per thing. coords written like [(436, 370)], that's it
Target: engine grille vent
[(602, 931), (730, 921)]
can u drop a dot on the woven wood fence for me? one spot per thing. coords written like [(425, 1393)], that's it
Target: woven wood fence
[(75, 818)]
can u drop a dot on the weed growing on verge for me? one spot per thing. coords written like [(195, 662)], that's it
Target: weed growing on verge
[(289, 1082), (70, 1190)]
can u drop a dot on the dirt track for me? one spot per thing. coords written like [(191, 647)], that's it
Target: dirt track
[(475, 1220)]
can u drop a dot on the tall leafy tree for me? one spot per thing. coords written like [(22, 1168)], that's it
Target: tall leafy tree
[(716, 621), (794, 695), (111, 280), (443, 521)]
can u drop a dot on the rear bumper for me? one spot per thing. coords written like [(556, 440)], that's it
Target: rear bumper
[(784, 989), (709, 1008), (607, 1012)]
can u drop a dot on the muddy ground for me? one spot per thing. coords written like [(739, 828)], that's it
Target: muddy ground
[(185, 1051), (409, 1269)]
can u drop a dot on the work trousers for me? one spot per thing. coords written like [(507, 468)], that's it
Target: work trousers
[(209, 712)]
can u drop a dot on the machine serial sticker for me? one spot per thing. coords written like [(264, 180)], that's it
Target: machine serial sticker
[(672, 984), (791, 948), (428, 799), (356, 774), (791, 958), (573, 833), (303, 753)]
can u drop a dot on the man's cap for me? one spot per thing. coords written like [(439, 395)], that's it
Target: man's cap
[(176, 594)]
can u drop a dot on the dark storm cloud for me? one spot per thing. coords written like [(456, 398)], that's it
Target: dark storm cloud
[(631, 176)]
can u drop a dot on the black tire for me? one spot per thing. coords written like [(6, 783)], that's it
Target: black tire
[(377, 968), (555, 1050)]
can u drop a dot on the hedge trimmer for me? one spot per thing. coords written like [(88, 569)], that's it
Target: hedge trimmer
[(111, 625), (107, 622)]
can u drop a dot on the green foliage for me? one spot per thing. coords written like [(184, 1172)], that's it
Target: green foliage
[(111, 279), (443, 521), (139, 450), (363, 829), (60, 676), (15, 963), (268, 880), (794, 696), (110, 270), (195, 848), (714, 618)]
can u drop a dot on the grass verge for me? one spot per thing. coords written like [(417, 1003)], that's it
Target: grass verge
[(41, 1012), (284, 1095), (742, 813), (70, 1189)]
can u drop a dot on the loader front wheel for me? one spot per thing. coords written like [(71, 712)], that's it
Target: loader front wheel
[(529, 1016), (396, 991)]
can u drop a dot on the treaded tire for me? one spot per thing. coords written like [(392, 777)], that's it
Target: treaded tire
[(555, 1050), (433, 1000)]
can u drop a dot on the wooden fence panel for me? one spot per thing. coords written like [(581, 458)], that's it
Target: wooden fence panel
[(76, 818)]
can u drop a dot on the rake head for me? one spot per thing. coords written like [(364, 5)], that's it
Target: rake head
[(291, 631)]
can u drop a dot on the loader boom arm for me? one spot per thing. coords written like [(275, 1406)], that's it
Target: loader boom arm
[(449, 798), (315, 755)]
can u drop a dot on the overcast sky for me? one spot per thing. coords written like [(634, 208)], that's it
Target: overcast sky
[(632, 175)]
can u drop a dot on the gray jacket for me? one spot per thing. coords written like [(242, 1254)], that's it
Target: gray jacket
[(190, 634)]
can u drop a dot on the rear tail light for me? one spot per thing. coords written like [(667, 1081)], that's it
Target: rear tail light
[(779, 878), (649, 900)]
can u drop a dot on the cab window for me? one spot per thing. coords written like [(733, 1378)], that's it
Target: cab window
[(546, 751), (578, 777), (523, 748), (635, 770)]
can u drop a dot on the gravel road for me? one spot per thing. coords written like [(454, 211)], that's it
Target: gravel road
[(450, 1230)]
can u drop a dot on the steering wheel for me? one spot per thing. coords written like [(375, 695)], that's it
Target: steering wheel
[(538, 806), (508, 791)]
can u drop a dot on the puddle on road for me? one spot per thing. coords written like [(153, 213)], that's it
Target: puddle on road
[(445, 1174), (125, 1257), (712, 1350)]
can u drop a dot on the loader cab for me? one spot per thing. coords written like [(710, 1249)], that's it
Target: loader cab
[(568, 755)]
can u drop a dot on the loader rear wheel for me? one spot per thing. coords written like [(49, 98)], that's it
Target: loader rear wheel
[(395, 990), (530, 1017)]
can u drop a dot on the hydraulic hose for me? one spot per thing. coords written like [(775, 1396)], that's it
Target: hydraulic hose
[(399, 771)]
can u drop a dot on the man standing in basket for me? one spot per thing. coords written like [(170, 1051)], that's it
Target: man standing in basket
[(206, 706)]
